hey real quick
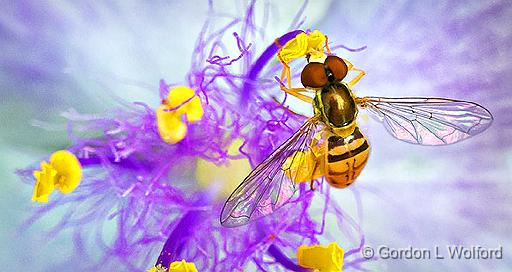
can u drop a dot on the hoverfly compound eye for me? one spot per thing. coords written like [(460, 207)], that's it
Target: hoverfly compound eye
[(337, 67), (313, 75)]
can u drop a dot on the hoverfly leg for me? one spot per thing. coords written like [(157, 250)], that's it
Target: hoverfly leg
[(286, 68), (285, 72), (297, 93), (287, 108), (357, 78), (288, 76), (351, 67), (313, 177), (349, 64), (327, 45)]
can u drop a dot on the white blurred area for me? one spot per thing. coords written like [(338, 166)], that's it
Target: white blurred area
[(94, 57)]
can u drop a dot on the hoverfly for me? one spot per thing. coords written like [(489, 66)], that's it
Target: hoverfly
[(330, 143)]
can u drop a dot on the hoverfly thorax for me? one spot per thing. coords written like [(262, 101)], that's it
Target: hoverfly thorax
[(334, 101), (336, 105)]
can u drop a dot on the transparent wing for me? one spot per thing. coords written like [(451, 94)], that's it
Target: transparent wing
[(429, 121), (268, 187)]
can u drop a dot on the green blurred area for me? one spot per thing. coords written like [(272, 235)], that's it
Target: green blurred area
[(22, 145)]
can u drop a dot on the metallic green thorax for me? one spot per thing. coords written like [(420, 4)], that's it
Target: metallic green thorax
[(336, 105)]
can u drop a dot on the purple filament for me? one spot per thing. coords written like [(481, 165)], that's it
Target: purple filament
[(181, 233), (280, 257), (264, 58)]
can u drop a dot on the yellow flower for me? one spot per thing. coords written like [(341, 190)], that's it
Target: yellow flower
[(180, 101), (321, 258), (182, 266), (63, 172)]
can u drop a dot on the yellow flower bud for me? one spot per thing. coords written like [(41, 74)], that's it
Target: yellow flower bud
[(321, 258)]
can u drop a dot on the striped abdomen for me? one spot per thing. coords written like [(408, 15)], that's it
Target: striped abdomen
[(346, 157)]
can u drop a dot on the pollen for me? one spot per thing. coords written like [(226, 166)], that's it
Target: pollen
[(304, 44), (182, 266), (157, 268), (181, 104), (321, 258), (63, 172)]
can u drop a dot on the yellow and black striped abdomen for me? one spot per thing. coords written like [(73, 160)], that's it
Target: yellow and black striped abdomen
[(345, 158)]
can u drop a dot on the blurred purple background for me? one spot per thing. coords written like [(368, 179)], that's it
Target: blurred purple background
[(62, 55)]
